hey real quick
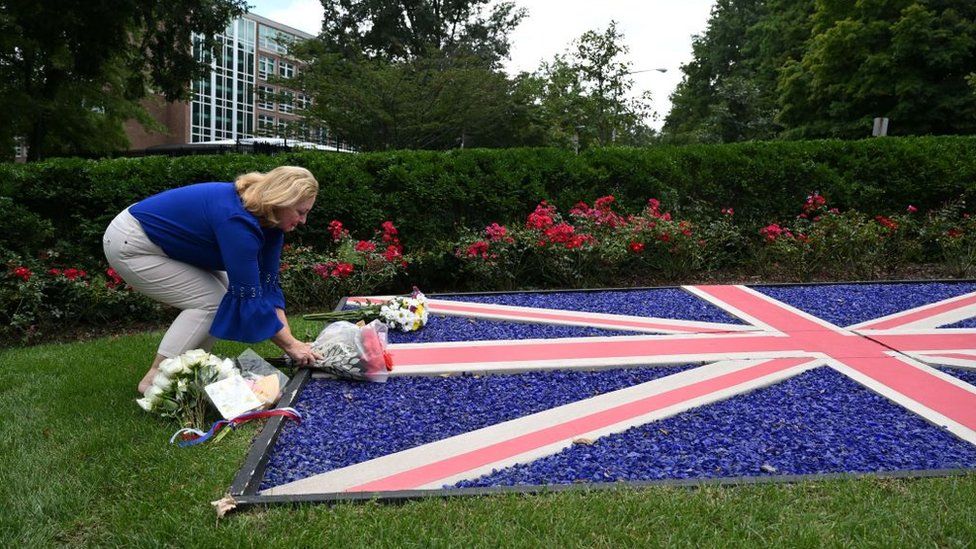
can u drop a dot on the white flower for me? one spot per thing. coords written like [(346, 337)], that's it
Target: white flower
[(145, 404), (162, 381), (173, 366), (152, 394), (182, 386), (214, 361), (226, 368), (195, 355)]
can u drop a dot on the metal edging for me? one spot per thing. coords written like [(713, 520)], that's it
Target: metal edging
[(248, 479), (247, 482)]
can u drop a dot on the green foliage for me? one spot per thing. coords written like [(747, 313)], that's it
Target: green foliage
[(44, 298), (583, 95), (403, 31), (72, 73), (431, 195), (418, 75), (783, 68)]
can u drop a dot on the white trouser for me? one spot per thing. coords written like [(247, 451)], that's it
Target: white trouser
[(145, 267)]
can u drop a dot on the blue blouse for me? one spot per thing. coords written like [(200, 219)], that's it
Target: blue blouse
[(206, 225)]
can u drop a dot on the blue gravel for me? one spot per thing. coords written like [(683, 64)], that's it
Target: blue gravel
[(818, 422), (969, 376), (967, 323), (346, 422), (815, 423), (848, 304)]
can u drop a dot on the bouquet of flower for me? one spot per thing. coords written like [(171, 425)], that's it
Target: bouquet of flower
[(177, 390), (404, 313)]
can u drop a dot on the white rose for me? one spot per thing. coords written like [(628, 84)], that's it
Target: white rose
[(214, 361), (226, 368), (161, 380), (145, 404), (182, 385), (195, 356), (172, 367), (152, 394)]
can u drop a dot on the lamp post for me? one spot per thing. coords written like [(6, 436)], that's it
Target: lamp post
[(660, 70)]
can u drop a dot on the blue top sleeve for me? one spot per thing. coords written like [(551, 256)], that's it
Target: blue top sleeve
[(274, 239), (246, 312)]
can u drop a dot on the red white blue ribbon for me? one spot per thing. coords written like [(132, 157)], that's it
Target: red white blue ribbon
[(192, 437)]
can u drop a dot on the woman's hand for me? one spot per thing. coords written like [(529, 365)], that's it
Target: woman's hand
[(301, 354)]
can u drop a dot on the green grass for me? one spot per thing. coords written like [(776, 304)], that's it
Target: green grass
[(81, 464)]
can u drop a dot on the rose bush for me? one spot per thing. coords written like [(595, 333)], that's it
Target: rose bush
[(314, 279)]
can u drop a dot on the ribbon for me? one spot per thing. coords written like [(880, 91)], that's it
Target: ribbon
[(192, 437)]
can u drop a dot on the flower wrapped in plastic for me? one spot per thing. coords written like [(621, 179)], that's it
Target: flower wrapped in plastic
[(354, 352)]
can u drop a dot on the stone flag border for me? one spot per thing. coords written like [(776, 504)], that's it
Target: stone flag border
[(245, 488)]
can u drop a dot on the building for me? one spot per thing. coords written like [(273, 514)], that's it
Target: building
[(236, 100)]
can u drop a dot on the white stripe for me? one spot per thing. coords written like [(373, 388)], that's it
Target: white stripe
[(342, 479), (592, 319), (912, 405), (938, 357), (868, 323), (741, 315)]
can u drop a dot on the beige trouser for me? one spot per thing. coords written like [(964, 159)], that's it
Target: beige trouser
[(145, 267)]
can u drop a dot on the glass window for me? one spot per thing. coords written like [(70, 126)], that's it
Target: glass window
[(266, 99), (285, 102), (286, 70), (266, 67)]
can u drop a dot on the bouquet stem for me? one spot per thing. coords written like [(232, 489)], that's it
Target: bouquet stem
[(366, 314)]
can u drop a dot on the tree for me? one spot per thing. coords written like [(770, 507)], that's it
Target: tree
[(585, 94), (729, 91), (71, 72), (422, 74), (402, 30), (903, 59), (425, 103)]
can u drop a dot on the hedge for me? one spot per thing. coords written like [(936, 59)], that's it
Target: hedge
[(64, 204)]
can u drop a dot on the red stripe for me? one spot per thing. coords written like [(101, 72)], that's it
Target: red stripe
[(454, 465), (926, 342), (931, 391), (580, 317), (622, 346)]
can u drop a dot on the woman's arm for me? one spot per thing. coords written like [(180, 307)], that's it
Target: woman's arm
[(301, 353)]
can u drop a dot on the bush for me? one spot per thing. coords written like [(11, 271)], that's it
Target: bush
[(432, 195)]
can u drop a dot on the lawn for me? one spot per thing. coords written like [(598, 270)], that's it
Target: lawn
[(81, 464)]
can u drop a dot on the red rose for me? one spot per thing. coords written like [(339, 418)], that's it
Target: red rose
[(336, 230), (496, 232), (912, 209), (636, 247), (478, 249), (22, 273), (365, 246), (342, 270)]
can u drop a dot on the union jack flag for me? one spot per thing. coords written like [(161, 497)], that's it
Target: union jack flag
[(891, 356)]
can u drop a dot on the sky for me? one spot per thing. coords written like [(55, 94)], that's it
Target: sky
[(658, 34)]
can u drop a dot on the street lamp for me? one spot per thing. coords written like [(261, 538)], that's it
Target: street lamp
[(660, 70)]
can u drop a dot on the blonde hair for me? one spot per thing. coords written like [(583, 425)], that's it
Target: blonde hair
[(282, 187)]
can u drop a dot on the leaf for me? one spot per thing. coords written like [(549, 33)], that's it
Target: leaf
[(224, 505)]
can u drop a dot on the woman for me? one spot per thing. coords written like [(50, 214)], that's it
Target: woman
[(213, 250)]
